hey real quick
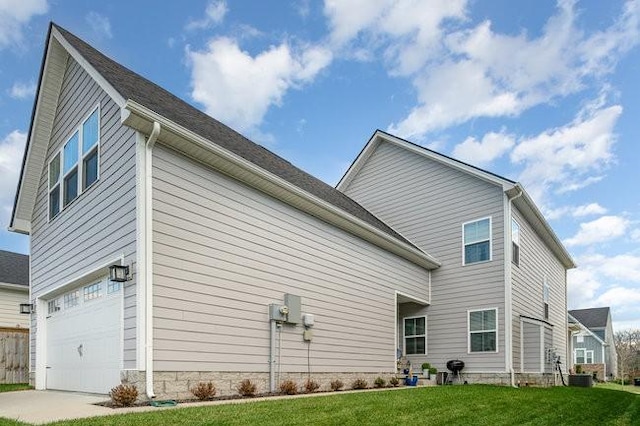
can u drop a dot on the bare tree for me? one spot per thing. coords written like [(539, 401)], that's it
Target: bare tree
[(628, 348)]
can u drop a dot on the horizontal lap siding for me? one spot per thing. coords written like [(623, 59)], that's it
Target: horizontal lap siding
[(100, 224), (223, 252), (536, 262), (10, 315), (427, 202), (531, 349)]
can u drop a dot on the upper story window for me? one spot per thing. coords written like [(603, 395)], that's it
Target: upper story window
[(515, 242), (477, 241), (415, 336), (483, 330), (76, 166)]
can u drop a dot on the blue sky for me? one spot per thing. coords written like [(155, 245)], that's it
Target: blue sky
[(540, 92)]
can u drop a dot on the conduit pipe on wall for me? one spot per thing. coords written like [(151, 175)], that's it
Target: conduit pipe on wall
[(148, 261), (508, 286)]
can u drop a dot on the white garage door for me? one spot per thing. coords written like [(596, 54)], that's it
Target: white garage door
[(84, 342)]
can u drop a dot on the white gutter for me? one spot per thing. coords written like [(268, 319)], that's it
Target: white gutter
[(330, 213), (148, 257), (508, 305)]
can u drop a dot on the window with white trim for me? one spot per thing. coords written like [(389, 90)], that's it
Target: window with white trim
[(546, 292), (72, 299), (75, 167), (483, 330), (477, 241), (53, 306), (113, 286), (582, 356), (415, 336), (92, 291), (515, 242)]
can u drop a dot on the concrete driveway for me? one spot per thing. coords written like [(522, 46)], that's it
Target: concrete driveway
[(39, 407)]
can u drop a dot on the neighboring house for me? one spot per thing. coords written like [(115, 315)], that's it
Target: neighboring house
[(14, 326), (498, 300), (14, 290), (593, 345), (220, 234)]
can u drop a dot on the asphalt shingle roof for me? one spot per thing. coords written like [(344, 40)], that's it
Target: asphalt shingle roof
[(137, 88), (592, 317), (14, 268)]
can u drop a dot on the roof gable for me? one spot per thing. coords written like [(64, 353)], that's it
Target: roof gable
[(129, 89), (592, 317), (512, 189)]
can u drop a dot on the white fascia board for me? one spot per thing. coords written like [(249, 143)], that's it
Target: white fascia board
[(95, 75), (10, 286), (331, 212)]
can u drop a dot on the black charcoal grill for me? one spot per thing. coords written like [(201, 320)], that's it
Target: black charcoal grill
[(455, 366)]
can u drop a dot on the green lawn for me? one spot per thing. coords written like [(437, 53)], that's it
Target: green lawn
[(14, 387), (613, 386), (444, 405)]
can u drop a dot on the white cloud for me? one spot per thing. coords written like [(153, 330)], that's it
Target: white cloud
[(11, 151), (14, 15), (610, 281), (479, 153), (238, 88), (480, 73), (600, 230), (568, 157), (588, 210), (214, 15), (21, 90), (100, 24)]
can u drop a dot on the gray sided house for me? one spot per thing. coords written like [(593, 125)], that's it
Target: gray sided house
[(592, 342), (498, 301), (220, 235)]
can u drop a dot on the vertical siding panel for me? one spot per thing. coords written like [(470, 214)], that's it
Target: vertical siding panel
[(100, 224), (427, 202)]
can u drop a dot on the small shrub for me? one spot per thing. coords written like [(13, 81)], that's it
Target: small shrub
[(426, 366), (578, 369), (247, 388), (379, 382), (204, 391), (359, 384), (433, 371), (288, 387), (124, 395), (336, 385), (394, 382), (311, 386)]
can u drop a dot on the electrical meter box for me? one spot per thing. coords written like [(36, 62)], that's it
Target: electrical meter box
[(295, 308), (276, 313)]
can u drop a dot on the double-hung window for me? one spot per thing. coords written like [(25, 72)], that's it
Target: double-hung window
[(75, 167), (415, 336), (483, 330), (477, 241), (515, 242), (583, 356)]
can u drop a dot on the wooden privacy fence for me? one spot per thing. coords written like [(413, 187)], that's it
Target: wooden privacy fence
[(14, 355)]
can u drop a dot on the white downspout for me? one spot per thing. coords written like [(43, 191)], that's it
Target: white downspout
[(148, 264), (508, 308)]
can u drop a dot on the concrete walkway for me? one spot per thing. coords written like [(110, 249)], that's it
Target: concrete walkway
[(39, 407)]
